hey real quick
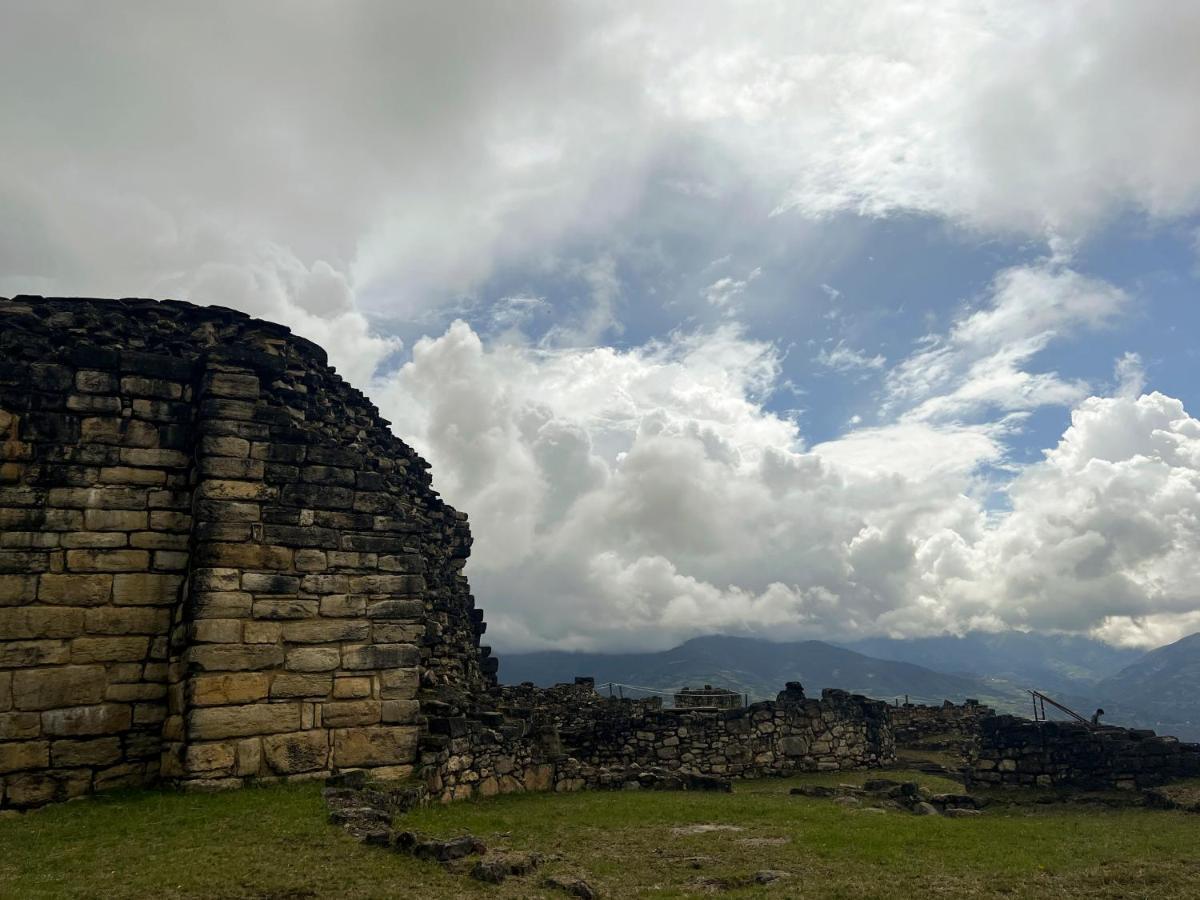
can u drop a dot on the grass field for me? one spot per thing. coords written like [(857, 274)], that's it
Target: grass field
[(274, 844)]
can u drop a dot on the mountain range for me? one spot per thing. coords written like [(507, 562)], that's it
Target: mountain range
[(1155, 690)]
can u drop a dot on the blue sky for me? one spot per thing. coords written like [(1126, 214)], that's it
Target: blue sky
[(789, 319)]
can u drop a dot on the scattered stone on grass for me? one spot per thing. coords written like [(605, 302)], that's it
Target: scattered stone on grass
[(814, 790), (495, 869), (763, 841), (959, 801), (574, 887), (879, 785), (423, 847), (768, 876), (762, 876)]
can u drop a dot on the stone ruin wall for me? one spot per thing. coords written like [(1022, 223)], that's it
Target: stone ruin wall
[(217, 563), (569, 738), (1019, 752), (949, 726)]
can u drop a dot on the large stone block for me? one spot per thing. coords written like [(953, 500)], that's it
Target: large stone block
[(326, 631), (170, 520), (234, 658), (74, 590), (288, 754), (127, 620), (209, 579), (313, 659), (218, 445), (227, 690), (301, 684), (38, 622), (17, 590), (228, 468), (108, 649), (326, 584), (6, 697), (145, 589), (352, 688), (385, 632), (282, 608), (23, 654), (243, 556), (115, 519), (34, 789), (224, 489), (311, 561), (217, 631), (159, 458), (302, 536), (347, 713), (381, 745), (214, 723), (231, 385), (97, 498), (222, 604), (75, 540), (317, 496), (139, 386), (107, 560), (132, 475), (90, 381), (228, 511), (399, 684), (17, 726), (102, 751), (387, 584), (210, 757), (28, 755), (395, 609), (343, 605), (399, 712), (57, 687), (262, 632), (106, 718), (380, 656), (270, 583), (12, 561), (249, 756)]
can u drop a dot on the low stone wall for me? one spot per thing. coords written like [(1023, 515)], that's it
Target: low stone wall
[(1020, 752), (569, 738), (914, 725)]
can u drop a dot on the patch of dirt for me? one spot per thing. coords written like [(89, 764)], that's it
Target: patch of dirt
[(703, 829)]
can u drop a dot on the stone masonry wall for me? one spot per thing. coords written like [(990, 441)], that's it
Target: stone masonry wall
[(217, 563), (1020, 752), (570, 738), (913, 724)]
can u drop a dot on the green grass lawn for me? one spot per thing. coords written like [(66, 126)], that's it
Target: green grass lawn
[(275, 843)]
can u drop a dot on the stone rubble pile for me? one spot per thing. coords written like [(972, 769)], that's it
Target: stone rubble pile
[(884, 792)]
